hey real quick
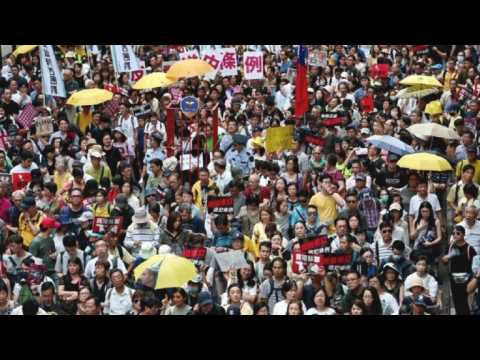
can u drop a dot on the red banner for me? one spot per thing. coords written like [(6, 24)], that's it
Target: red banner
[(195, 253), (314, 243), (20, 180), (170, 132), (220, 204), (315, 140), (305, 261), (215, 129)]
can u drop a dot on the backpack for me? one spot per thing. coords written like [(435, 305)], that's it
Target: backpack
[(275, 290)]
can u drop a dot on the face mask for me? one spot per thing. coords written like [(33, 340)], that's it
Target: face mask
[(192, 290), (384, 199), (396, 257)]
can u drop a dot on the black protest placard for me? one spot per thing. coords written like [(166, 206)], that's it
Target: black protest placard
[(220, 204), (103, 225)]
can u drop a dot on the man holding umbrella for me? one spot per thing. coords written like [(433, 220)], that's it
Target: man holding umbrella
[(472, 160)]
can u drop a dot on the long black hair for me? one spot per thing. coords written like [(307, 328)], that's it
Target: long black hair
[(251, 280), (431, 218), (376, 307)]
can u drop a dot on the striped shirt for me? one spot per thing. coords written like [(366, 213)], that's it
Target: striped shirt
[(150, 233), (384, 250)]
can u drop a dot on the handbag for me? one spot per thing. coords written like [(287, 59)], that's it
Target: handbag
[(460, 278)]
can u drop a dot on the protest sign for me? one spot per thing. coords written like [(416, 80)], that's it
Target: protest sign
[(228, 65), (189, 162), (124, 59), (304, 262), (220, 204), (189, 106), (142, 110), (317, 58), (20, 180), (44, 125), (104, 224), (214, 58), (420, 50), (311, 243), (52, 79), (279, 138), (233, 259), (253, 65), (330, 119), (191, 54), (195, 253), (136, 75)]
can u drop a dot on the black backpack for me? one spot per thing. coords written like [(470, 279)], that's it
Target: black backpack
[(275, 290)]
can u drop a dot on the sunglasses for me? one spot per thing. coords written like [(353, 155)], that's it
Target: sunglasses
[(351, 201), (312, 213)]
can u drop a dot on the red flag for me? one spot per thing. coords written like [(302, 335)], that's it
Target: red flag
[(215, 129), (301, 85), (380, 71), (25, 118), (367, 104), (170, 131)]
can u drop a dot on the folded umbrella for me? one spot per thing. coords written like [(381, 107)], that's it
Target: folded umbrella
[(424, 161), (391, 144)]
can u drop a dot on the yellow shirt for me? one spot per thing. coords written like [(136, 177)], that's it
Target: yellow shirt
[(83, 120), (449, 76), (461, 165), (198, 199), (61, 180), (101, 211), (326, 206), (24, 229), (258, 236)]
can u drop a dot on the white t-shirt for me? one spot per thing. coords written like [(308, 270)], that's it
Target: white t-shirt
[(19, 169), (416, 201), (128, 126), (314, 311), (472, 235), (280, 308)]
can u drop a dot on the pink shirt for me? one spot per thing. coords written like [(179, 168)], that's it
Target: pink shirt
[(5, 204)]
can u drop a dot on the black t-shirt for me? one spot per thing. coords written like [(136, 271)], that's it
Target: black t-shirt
[(461, 261), (112, 156), (387, 179), (11, 108)]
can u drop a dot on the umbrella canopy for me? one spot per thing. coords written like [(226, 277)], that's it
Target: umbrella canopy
[(173, 271), (424, 161), (189, 68), (152, 81), (418, 91), (433, 129), (434, 108), (391, 144), (24, 49), (89, 97), (427, 81)]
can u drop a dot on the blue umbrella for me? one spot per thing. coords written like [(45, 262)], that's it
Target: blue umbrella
[(391, 144)]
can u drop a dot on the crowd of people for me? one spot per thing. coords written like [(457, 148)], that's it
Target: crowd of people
[(411, 237)]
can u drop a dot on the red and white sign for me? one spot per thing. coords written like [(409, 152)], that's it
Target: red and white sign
[(229, 66), (136, 75), (191, 54), (20, 180), (253, 65), (214, 58)]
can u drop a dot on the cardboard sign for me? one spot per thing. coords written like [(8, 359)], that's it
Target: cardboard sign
[(104, 224), (44, 125), (220, 204), (253, 65), (233, 259), (279, 138), (20, 180)]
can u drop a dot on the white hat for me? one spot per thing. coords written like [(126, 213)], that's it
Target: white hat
[(164, 249), (170, 164), (86, 216), (395, 206), (328, 88), (140, 216), (344, 75), (147, 250), (96, 153), (70, 54)]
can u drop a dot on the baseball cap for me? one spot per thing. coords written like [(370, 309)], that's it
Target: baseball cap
[(50, 223), (393, 157), (28, 202), (204, 298), (395, 206), (361, 177)]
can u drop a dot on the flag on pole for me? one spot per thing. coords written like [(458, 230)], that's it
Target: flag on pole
[(170, 131), (301, 85), (124, 59), (25, 118), (215, 129), (52, 79)]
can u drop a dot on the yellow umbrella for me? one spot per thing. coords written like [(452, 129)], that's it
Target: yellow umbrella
[(89, 97), (153, 80), (433, 129), (24, 49), (424, 161), (189, 68), (173, 271), (434, 108), (418, 91), (421, 80)]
